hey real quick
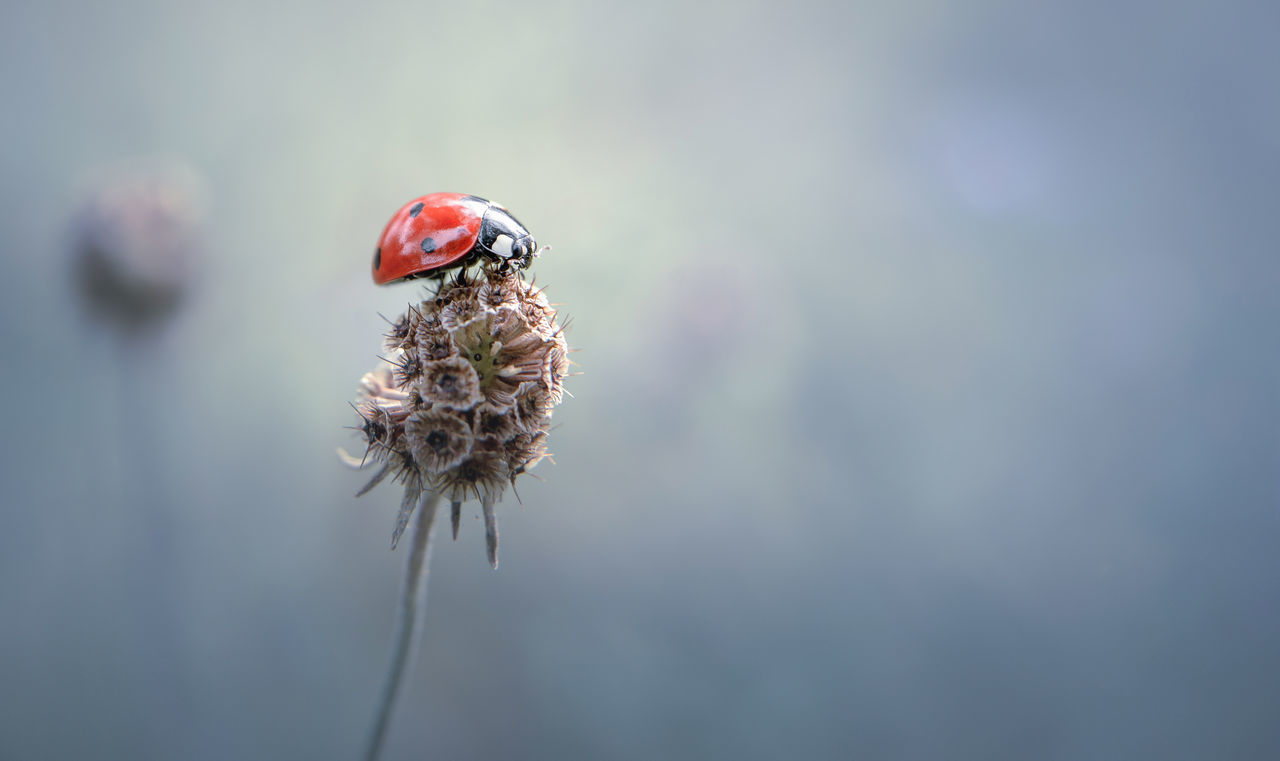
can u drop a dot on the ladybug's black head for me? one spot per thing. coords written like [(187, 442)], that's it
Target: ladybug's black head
[(523, 251), (502, 236)]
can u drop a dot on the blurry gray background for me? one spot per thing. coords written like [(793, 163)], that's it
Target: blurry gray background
[(929, 407)]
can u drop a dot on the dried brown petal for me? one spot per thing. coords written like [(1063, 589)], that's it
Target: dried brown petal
[(501, 393), (379, 384)]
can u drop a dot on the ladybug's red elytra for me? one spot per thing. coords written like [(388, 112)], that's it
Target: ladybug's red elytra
[(443, 230)]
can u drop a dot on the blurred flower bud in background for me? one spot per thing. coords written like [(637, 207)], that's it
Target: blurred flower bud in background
[(136, 235)]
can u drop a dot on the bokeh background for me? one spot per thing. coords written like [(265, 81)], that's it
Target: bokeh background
[(929, 405)]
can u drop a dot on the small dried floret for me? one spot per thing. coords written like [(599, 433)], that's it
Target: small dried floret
[(433, 343), (408, 368), (522, 359), (533, 407), (480, 475), (508, 324), (525, 451), (557, 367), (450, 382), (538, 311), (401, 332), (500, 394), (493, 422), (378, 428), (462, 309), (438, 438), (428, 319), (495, 293)]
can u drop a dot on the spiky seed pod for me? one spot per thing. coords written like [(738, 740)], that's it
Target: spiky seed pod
[(478, 368)]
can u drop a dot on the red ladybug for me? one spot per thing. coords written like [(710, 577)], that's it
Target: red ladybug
[(443, 230)]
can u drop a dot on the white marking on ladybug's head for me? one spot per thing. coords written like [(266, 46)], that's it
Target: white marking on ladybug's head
[(502, 246)]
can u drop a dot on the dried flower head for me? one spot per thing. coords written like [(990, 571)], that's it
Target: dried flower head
[(464, 403)]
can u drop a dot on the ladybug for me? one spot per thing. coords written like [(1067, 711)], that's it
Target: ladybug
[(442, 230)]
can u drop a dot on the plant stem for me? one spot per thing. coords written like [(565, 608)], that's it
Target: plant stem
[(413, 607)]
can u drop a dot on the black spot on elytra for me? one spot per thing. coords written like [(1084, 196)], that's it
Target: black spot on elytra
[(416, 210), (377, 259), (428, 245)]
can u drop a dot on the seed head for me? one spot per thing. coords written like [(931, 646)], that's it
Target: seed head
[(464, 404)]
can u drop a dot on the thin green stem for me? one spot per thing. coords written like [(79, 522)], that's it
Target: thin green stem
[(413, 607)]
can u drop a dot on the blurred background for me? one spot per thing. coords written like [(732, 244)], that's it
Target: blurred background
[(929, 405)]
